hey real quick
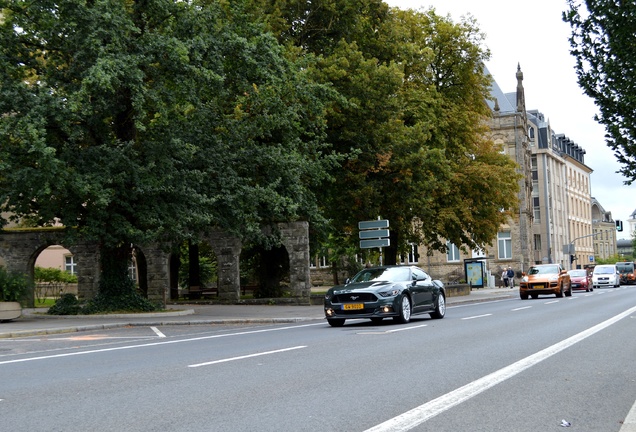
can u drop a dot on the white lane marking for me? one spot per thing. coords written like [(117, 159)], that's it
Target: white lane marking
[(158, 332), (246, 356), (521, 308), (550, 302), (476, 316), (194, 339), (629, 424), (406, 328), (424, 412)]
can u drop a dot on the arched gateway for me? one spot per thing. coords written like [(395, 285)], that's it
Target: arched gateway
[(19, 248)]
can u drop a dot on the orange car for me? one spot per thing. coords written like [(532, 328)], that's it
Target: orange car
[(545, 279)]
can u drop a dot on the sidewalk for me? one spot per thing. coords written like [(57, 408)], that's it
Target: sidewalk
[(34, 322)]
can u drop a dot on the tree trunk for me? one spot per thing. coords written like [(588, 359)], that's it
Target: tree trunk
[(115, 281), (194, 273)]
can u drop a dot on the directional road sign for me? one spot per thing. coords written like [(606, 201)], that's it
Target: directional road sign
[(377, 243), (374, 234), (373, 224)]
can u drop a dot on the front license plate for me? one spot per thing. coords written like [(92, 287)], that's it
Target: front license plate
[(352, 306), (538, 287)]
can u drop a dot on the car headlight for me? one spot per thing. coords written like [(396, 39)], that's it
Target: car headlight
[(389, 293), (328, 296), (553, 278), (524, 279)]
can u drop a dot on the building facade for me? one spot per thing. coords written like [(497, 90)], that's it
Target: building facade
[(604, 228)]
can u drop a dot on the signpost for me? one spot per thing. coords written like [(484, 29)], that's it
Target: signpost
[(374, 234)]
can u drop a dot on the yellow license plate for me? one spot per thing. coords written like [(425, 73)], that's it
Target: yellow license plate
[(353, 306), (538, 286)]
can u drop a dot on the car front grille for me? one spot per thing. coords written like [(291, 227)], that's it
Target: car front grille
[(354, 298)]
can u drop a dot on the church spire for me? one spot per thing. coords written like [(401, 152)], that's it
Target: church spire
[(521, 98)]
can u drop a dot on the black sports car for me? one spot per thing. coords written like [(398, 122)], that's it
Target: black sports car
[(387, 291)]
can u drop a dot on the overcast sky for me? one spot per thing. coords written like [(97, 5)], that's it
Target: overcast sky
[(533, 35)]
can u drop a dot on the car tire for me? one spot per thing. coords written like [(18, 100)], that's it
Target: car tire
[(560, 293), (568, 293), (524, 296), (336, 322), (440, 307), (405, 310)]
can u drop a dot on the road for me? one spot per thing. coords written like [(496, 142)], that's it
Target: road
[(508, 365)]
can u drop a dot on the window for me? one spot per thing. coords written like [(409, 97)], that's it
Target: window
[(537, 242), (536, 210), (69, 264), (412, 255), (453, 252), (504, 244)]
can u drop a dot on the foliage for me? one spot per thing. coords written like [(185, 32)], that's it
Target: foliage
[(602, 43), (67, 304), (207, 265), (152, 121), (613, 259), (13, 286), (50, 274), (412, 122)]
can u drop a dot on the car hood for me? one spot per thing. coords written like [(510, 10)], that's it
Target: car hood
[(541, 277), (362, 286)]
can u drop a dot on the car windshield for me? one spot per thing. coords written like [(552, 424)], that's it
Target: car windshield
[(604, 270), (544, 270), (578, 273), (383, 274)]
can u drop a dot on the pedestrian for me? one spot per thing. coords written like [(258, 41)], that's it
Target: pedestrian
[(511, 277), (504, 277)]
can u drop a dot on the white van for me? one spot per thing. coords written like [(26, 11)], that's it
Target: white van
[(606, 275)]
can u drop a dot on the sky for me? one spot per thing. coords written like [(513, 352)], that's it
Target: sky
[(533, 36)]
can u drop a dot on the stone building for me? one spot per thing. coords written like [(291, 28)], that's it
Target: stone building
[(561, 197), (512, 248), (604, 229)]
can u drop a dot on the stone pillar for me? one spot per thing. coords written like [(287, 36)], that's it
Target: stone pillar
[(295, 237), (87, 257), (157, 275), (228, 251)]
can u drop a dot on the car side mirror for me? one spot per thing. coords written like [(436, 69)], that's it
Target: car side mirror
[(347, 280)]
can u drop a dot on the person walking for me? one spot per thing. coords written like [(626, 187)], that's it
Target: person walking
[(511, 277), (504, 277)]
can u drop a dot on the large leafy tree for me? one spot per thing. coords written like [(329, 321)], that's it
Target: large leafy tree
[(602, 43), (153, 120), (413, 122)]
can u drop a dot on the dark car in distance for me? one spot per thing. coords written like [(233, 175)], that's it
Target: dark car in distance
[(385, 291), (581, 279)]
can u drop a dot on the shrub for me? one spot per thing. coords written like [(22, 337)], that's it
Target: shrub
[(67, 304), (13, 286)]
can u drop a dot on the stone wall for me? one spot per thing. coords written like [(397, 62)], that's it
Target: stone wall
[(19, 249)]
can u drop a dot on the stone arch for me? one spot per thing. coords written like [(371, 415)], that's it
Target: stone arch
[(228, 250), (19, 249)]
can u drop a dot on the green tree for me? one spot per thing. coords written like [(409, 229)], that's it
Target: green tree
[(153, 120), (602, 43), (413, 122)]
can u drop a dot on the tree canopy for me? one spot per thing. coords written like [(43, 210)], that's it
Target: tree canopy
[(154, 120), (413, 122), (602, 43)]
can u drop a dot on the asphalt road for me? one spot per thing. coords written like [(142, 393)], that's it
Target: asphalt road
[(508, 365)]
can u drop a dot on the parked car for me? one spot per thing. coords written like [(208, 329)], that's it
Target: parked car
[(545, 279), (386, 291), (606, 275), (581, 280)]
